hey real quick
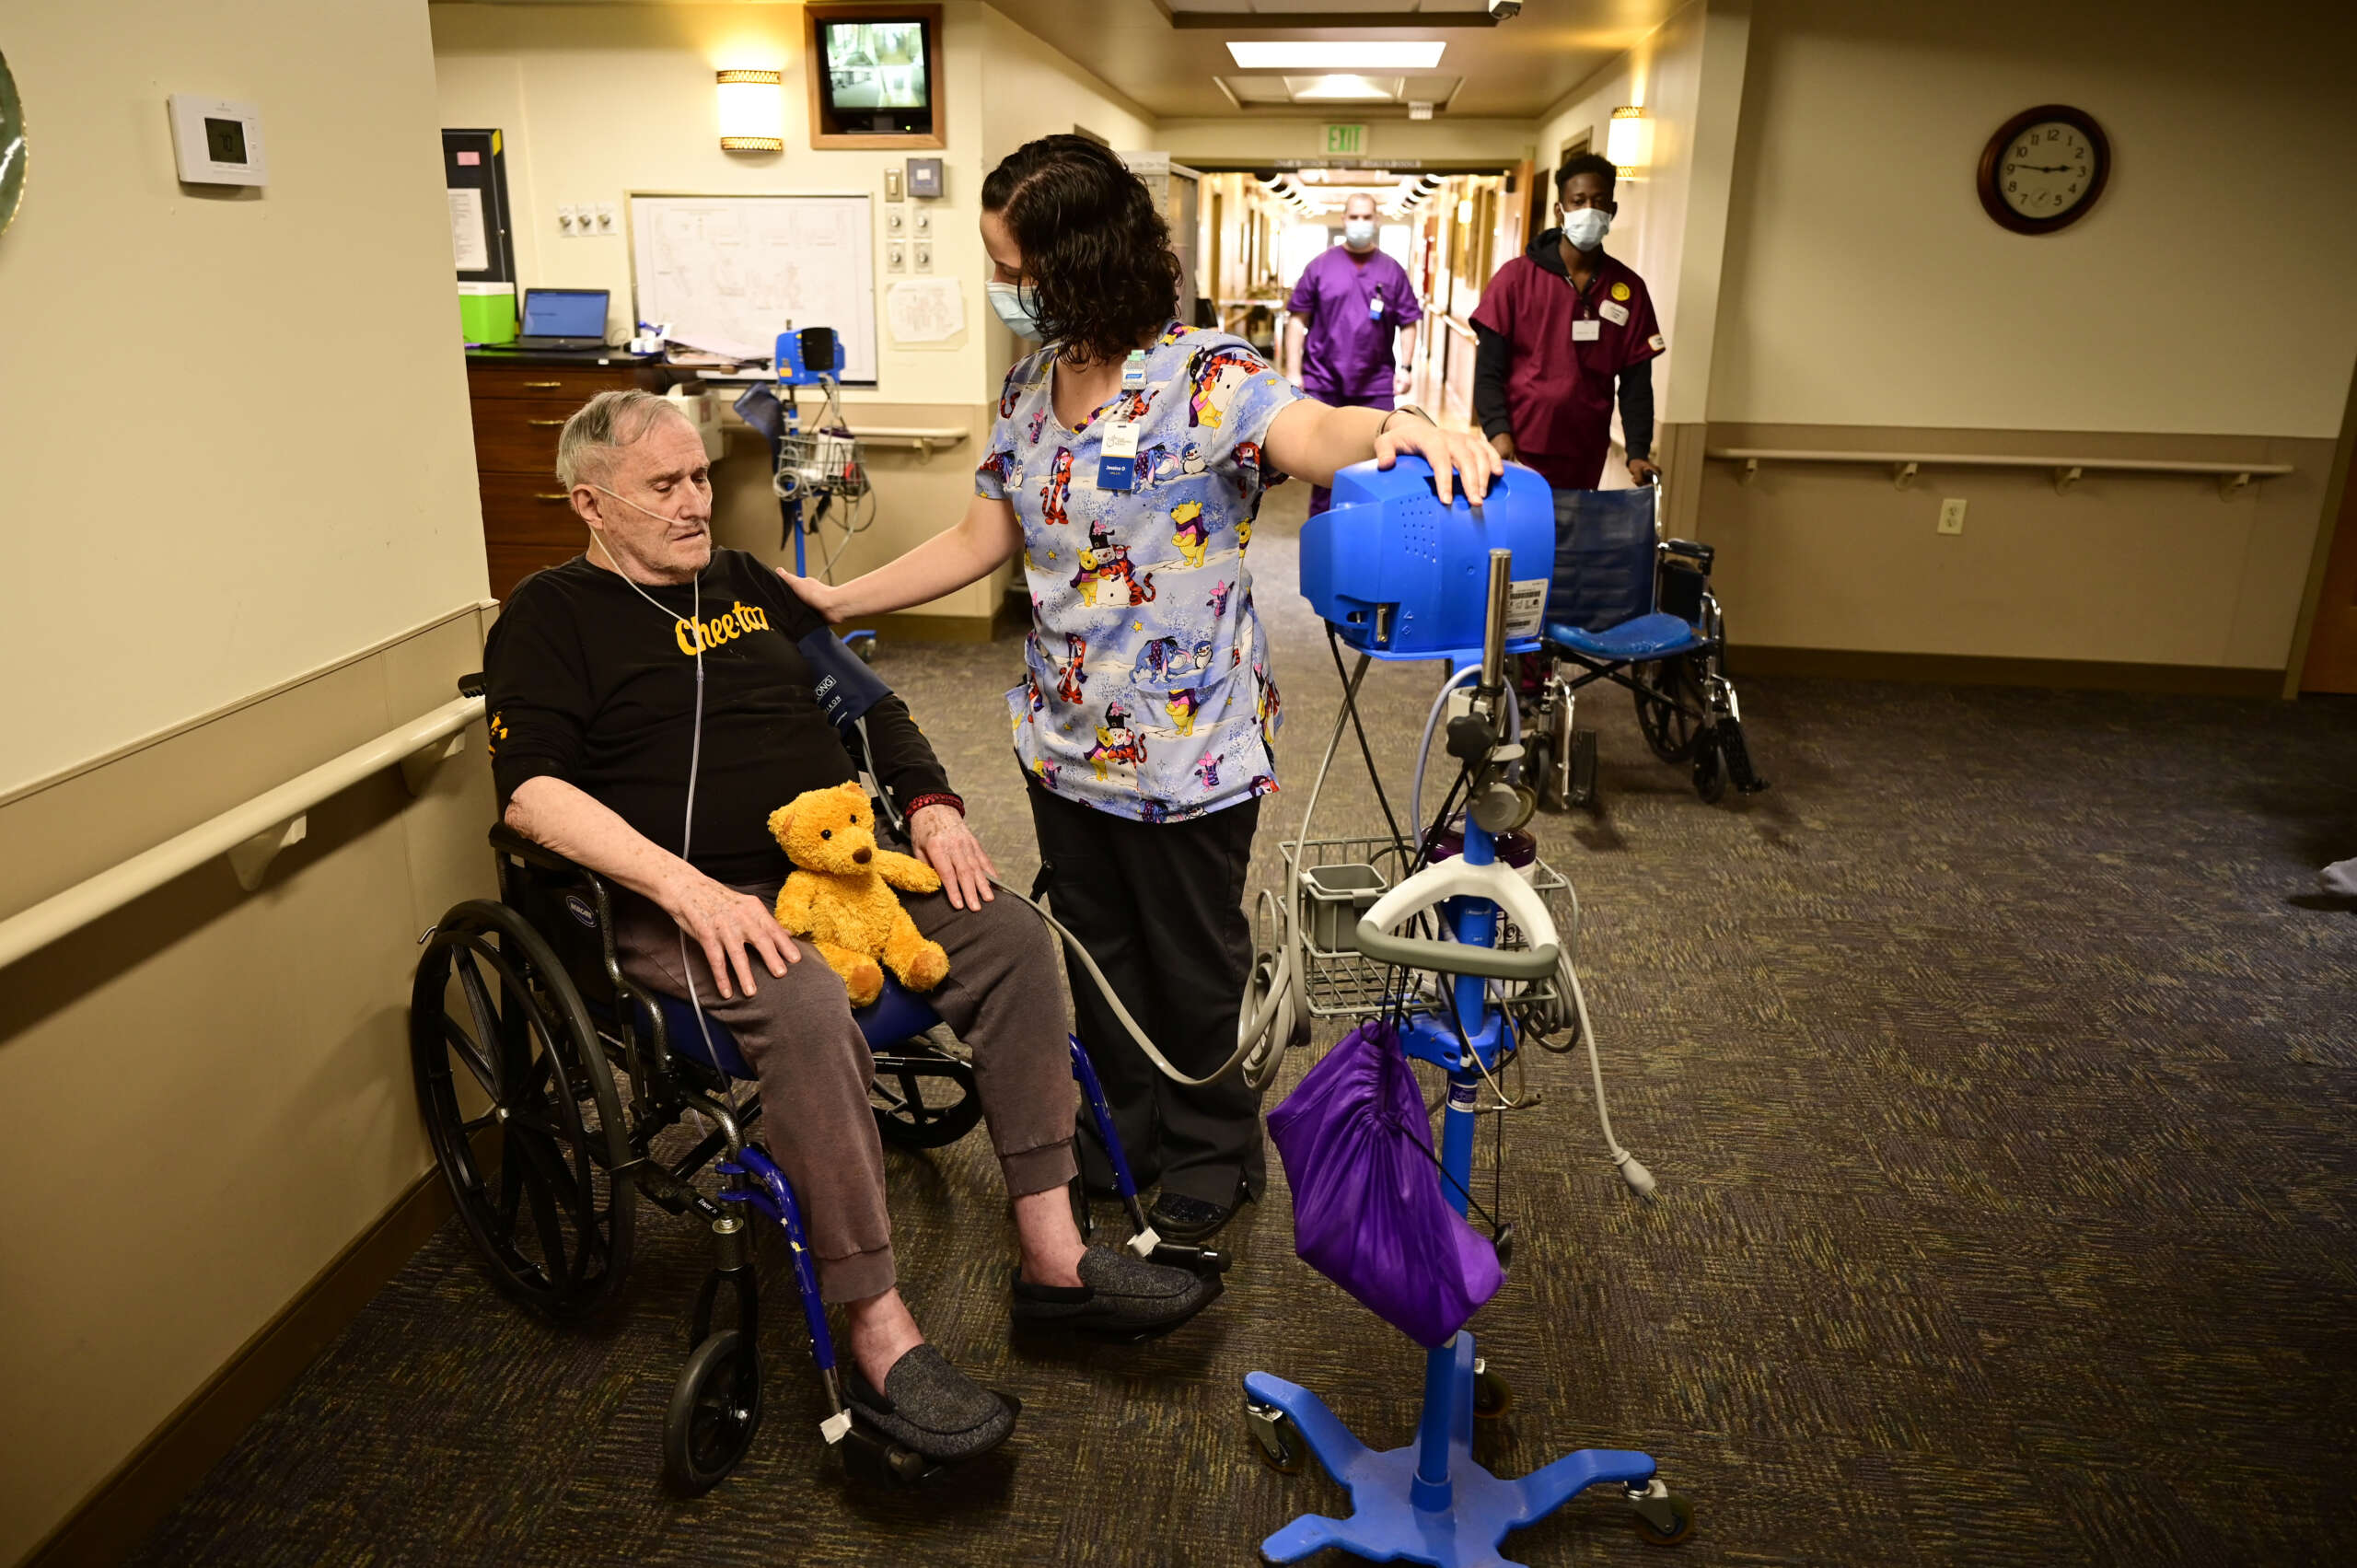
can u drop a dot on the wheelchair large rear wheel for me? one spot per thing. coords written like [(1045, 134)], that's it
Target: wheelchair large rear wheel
[(522, 1111), (1668, 704), (923, 1097)]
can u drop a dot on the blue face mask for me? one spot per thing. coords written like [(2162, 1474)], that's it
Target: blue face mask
[(1007, 301)]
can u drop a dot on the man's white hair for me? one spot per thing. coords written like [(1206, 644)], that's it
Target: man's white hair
[(600, 427)]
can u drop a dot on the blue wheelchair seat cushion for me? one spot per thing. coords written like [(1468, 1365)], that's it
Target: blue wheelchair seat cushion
[(897, 1015), (1653, 636)]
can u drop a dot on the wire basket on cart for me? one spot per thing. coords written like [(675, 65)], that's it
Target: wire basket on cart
[(1337, 881), (820, 462)]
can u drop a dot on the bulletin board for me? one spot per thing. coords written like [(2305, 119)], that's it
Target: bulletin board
[(743, 269)]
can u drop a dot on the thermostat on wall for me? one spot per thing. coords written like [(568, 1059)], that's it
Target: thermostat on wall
[(216, 142), (925, 179)]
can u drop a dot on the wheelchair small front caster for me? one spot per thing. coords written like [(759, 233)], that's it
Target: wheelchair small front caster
[(1492, 1396), (716, 1410), (1275, 1438), (1664, 1518), (1710, 771)]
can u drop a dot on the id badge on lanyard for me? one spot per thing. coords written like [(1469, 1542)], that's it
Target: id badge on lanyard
[(1117, 459), (1375, 305)]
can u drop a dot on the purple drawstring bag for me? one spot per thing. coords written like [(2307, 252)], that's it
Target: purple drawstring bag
[(1368, 1212)]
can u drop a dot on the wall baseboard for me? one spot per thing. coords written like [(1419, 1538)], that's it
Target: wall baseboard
[(123, 1508), (1966, 670)]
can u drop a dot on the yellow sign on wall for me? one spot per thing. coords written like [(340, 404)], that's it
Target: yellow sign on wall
[(1345, 141)]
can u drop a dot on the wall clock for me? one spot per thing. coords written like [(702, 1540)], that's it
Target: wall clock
[(12, 146), (2044, 169)]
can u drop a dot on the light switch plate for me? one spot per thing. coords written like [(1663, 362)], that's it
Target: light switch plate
[(891, 184), (923, 250), (606, 218), (895, 257), (924, 223), (568, 220), (895, 223)]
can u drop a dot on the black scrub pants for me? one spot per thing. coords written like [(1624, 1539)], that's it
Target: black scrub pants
[(1160, 907)]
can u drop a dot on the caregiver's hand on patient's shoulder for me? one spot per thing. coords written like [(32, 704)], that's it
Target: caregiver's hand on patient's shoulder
[(1464, 452), (943, 840), (824, 598)]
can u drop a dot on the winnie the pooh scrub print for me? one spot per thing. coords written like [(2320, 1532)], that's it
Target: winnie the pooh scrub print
[(1146, 690)]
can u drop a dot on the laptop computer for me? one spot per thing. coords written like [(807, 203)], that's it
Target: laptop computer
[(563, 318)]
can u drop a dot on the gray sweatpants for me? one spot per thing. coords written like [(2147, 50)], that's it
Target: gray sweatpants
[(1002, 1001)]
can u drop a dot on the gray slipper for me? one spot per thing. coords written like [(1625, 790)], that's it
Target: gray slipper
[(930, 1406), (1119, 1293)]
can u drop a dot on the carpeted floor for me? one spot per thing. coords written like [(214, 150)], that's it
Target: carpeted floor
[(2002, 1080)]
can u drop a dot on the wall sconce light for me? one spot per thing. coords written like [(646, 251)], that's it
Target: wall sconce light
[(752, 110), (1628, 141)]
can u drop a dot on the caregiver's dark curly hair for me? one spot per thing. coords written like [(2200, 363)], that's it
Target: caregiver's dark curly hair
[(1099, 272)]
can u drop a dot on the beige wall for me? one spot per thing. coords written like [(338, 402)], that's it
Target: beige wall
[(221, 475), (2208, 292), (2202, 311), (555, 78), (206, 340)]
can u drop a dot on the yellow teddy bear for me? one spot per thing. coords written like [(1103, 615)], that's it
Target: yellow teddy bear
[(840, 896)]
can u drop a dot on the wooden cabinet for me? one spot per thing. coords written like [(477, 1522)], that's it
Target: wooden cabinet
[(520, 408)]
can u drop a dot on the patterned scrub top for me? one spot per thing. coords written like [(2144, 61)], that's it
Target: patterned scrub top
[(1146, 690)]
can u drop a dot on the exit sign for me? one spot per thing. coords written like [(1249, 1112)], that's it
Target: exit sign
[(1345, 141)]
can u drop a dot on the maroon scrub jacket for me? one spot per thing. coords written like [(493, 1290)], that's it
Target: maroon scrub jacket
[(1559, 391)]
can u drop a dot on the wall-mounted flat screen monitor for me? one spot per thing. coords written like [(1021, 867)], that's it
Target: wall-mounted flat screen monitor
[(876, 78)]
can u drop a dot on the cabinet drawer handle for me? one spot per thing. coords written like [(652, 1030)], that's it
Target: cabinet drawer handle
[(552, 495), (548, 423), (542, 386)]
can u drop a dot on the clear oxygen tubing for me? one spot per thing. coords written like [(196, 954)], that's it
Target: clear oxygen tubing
[(695, 744)]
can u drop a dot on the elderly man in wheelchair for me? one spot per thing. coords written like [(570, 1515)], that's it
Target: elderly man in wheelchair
[(651, 702)]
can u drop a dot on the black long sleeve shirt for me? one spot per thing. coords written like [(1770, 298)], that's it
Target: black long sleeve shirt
[(589, 683)]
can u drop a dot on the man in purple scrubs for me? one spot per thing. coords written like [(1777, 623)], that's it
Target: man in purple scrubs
[(1346, 309)]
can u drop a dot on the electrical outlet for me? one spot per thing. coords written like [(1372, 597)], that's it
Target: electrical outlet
[(923, 250), (568, 221), (895, 224), (606, 218), (895, 257), (1952, 515)]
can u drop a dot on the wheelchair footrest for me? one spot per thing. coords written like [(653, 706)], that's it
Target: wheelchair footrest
[(1199, 1260), (1738, 757)]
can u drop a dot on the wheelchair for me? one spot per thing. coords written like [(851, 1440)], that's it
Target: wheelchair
[(1630, 607), (545, 1078)]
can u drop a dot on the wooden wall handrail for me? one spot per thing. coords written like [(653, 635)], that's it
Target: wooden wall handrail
[(2231, 476)]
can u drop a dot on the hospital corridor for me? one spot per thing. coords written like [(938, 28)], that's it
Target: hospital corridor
[(1177, 782)]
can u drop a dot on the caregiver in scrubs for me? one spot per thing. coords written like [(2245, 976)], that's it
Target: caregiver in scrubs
[(1127, 464)]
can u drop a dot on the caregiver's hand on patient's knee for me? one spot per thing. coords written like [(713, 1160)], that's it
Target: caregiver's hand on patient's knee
[(944, 843)]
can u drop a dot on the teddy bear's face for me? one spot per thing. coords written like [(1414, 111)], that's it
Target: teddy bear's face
[(827, 829)]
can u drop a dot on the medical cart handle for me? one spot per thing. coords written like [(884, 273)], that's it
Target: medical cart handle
[(1454, 878)]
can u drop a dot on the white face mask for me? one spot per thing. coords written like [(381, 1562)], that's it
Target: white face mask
[(1358, 233), (1586, 227), (1007, 300)]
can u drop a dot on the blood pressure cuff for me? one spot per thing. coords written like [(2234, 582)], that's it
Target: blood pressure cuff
[(1368, 1212), (759, 408), (844, 686)]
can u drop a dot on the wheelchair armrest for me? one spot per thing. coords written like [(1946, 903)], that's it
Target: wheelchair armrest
[(1698, 550), (507, 840)]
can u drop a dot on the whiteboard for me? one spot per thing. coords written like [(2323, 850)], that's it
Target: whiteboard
[(742, 268)]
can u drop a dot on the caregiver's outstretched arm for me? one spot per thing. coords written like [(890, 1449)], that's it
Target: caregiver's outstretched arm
[(984, 540), (1311, 441)]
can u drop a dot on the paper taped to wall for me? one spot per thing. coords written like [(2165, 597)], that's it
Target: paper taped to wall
[(469, 241), (925, 310)]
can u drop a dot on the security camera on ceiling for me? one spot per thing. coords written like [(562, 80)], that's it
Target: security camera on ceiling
[(1504, 10)]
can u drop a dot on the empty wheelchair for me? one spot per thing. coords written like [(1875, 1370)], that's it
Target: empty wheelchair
[(546, 1078), (1630, 607)]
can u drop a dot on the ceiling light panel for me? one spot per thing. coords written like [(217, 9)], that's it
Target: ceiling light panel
[(1359, 56), (1345, 88)]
